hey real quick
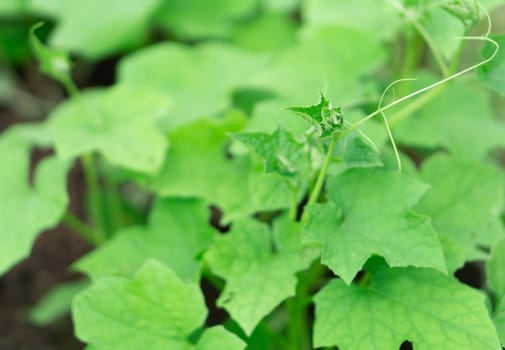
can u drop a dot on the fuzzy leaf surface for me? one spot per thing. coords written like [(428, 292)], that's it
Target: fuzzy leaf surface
[(154, 309), (257, 277), (177, 233), (423, 306), (465, 201), (27, 209), (119, 123), (370, 212)]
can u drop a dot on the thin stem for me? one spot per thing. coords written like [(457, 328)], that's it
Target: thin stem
[(94, 194), (74, 223), (314, 195)]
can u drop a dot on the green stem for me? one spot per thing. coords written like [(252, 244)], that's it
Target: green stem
[(94, 195), (314, 195), (113, 201), (74, 223)]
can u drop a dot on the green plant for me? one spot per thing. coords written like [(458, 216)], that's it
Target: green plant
[(315, 210)]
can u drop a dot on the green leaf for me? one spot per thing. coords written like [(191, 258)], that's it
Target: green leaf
[(492, 74), (27, 209), (357, 153), (326, 118), (119, 123), (423, 306), (195, 81), (219, 338), (366, 15), (155, 309), (258, 277), (499, 320), (200, 19), (370, 212), (283, 154), (197, 161), (12, 7), (56, 303), (54, 62), (468, 129), (177, 233), (318, 62), (97, 28), (444, 29), (465, 201), (266, 32), (495, 271)]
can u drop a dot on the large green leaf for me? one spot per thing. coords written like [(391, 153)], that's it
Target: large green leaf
[(460, 119), (318, 62), (119, 123), (154, 310), (423, 306), (177, 233), (197, 165), (370, 212), (366, 15), (258, 277), (464, 202), (96, 28), (199, 79), (27, 209), (200, 19)]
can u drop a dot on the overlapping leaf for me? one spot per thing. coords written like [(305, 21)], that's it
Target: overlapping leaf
[(155, 309), (370, 212), (27, 209), (464, 202), (177, 233), (423, 306), (119, 123), (258, 277)]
